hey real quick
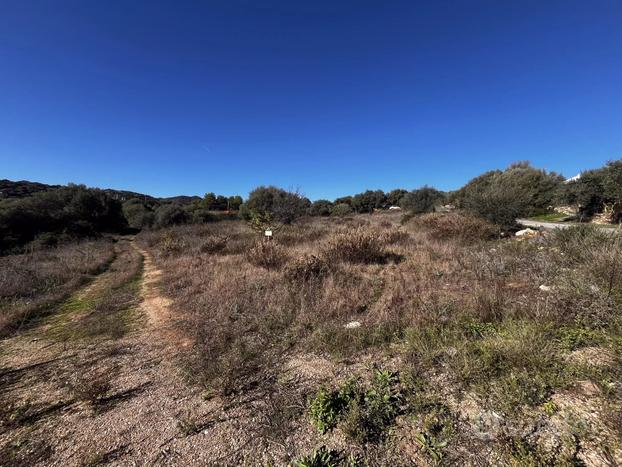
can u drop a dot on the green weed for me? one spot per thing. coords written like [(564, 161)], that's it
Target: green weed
[(321, 457)]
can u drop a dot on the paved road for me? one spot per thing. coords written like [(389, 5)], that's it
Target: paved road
[(559, 225)]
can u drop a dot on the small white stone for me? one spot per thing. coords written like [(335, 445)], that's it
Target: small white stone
[(545, 288), (353, 325)]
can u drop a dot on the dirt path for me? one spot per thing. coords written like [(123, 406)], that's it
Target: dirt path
[(90, 402), (560, 225), (154, 305)]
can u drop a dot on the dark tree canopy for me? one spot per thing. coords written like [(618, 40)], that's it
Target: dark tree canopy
[(394, 197), (344, 200), (321, 207), (138, 214), (275, 204), (75, 211), (170, 214), (341, 210), (595, 189), (422, 200), (502, 196), (369, 200)]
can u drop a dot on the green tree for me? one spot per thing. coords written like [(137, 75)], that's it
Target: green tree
[(235, 202), (74, 210), (269, 204), (424, 199), (209, 200), (502, 196), (344, 200), (137, 214), (340, 210), (321, 207), (369, 200), (170, 214), (394, 197)]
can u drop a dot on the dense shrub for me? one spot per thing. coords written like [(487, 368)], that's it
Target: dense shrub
[(170, 214), (422, 200), (170, 243), (456, 225), (320, 207), (268, 255), (368, 201), (394, 197), (138, 214), (213, 202), (594, 189), (391, 236), (306, 268), (74, 210), (357, 245), (501, 197), (340, 210), (214, 244), (271, 204)]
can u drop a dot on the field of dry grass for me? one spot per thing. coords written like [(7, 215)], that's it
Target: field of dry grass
[(359, 341), (31, 283), (438, 341)]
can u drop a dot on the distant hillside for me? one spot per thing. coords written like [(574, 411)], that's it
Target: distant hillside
[(10, 189), (122, 195), (21, 188)]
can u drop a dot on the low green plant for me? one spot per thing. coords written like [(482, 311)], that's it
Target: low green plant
[(375, 409), (320, 457), (572, 338), (328, 407), (431, 446), (188, 426), (365, 412), (437, 424), (550, 408)]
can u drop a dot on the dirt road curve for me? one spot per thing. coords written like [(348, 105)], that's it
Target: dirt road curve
[(559, 225), (136, 420)]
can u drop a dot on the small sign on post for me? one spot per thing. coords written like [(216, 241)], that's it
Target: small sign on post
[(268, 234)]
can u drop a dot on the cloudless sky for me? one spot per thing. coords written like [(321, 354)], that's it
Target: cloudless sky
[(331, 97)]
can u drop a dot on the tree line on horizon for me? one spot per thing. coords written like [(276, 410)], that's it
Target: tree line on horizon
[(46, 217)]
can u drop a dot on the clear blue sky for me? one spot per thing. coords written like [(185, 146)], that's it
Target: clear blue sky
[(331, 97)]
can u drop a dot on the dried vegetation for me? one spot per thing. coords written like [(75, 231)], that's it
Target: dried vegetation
[(471, 350)]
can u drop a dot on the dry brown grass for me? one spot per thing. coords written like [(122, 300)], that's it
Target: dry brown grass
[(31, 283), (460, 313), (463, 227), (266, 254), (358, 245)]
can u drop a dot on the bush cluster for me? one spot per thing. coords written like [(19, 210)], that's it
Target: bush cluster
[(461, 226), (306, 268), (73, 211), (355, 245), (267, 255), (214, 244), (501, 197)]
